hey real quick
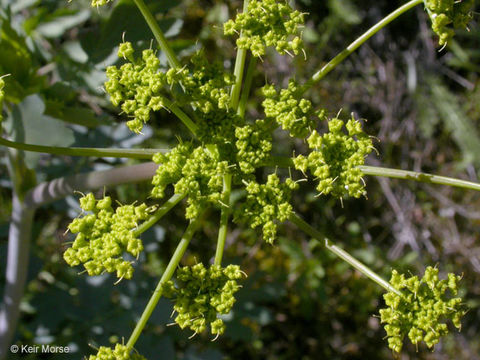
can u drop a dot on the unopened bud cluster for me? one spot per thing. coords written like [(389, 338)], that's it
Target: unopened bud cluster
[(448, 15), (104, 235), (422, 309), (202, 294), (267, 23), (335, 158)]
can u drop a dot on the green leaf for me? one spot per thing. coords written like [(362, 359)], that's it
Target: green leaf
[(28, 124), (61, 21), (72, 114), (16, 60)]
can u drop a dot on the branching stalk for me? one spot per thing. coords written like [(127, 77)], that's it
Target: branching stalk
[(238, 71), (364, 269), (182, 116), (225, 212), (167, 275), (246, 87), (286, 162), (158, 33), (157, 215), (419, 176), (356, 44), (81, 151)]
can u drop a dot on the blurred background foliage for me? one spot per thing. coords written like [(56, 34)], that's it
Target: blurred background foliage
[(298, 302)]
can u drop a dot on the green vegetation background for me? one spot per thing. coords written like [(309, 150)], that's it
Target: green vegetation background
[(298, 302)]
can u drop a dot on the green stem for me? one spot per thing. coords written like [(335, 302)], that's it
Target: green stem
[(181, 115), (167, 275), (356, 44), (285, 162), (238, 71), (225, 212), (342, 254), (158, 33), (419, 176), (247, 86), (157, 215), (79, 151)]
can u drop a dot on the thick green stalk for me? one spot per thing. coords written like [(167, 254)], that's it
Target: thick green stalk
[(285, 162), (181, 115), (356, 44), (158, 33), (80, 151), (167, 275), (364, 269), (247, 86), (419, 176), (157, 215), (238, 71), (225, 212)]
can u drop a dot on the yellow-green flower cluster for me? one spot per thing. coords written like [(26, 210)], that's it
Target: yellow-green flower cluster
[(292, 114), (422, 308), (202, 294), (448, 15), (136, 86), (335, 158), (120, 352), (197, 173), (254, 143), (267, 23), (104, 235), (267, 203)]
